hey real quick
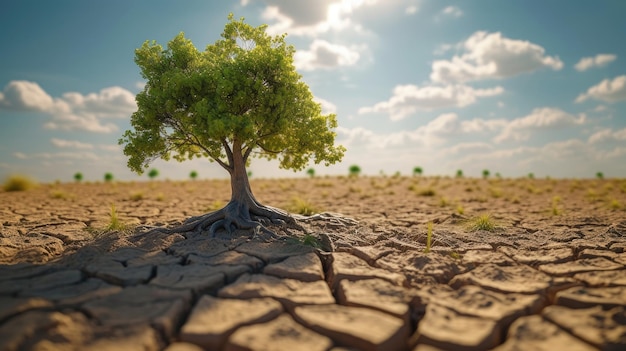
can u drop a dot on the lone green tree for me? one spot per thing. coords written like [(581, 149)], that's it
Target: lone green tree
[(153, 173), (239, 98), (78, 177)]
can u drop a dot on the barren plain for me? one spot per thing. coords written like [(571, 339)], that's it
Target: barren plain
[(550, 272)]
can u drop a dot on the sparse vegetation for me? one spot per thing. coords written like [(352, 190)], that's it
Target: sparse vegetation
[(193, 175), (153, 173), (482, 222), (485, 173), (429, 237), (302, 207), (115, 224), (310, 172), (354, 171), (108, 177), (600, 175), (417, 171), (136, 195), (78, 177), (556, 200), (310, 240), (18, 183), (459, 173)]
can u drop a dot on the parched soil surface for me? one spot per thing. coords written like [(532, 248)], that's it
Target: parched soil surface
[(551, 275)]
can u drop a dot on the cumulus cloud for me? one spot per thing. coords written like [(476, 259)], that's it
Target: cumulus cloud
[(73, 144), (493, 56), (539, 119), (72, 111), (599, 60), (607, 90), (407, 99), (325, 55), (606, 135), (75, 155), (311, 18)]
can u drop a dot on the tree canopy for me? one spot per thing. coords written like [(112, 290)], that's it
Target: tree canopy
[(240, 96)]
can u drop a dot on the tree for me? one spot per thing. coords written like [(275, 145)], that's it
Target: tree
[(417, 171), (153, 173), (354, 171), (108, 177), (78, 177), (486, 173), (311, 172), (240, 98), (193, 175), (459, 173)]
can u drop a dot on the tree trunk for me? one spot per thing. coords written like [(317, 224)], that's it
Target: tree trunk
[(241, 192)]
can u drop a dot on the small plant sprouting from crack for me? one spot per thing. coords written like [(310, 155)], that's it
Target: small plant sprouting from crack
[(115, 224), (429, 237), (555, 206), (310, 240), (482, 222)]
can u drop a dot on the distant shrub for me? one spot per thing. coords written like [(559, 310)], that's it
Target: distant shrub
[(354, 171), (108, 177), (193, 175), (153, 173), (310, 172), (417, 171), (600, 175), (459, 173), (486, 173), (18, 183), (78, 177)]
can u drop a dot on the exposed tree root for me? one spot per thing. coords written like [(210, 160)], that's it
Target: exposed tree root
[(254, 218)]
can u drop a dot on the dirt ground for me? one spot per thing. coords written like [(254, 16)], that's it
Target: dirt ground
[(55, 219)]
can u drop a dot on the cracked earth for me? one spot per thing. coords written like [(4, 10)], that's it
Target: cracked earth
[(551, 276)]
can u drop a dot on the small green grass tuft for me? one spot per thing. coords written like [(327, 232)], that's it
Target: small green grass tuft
[(18, 183), (303, 207), (310, 240), (115, 224), (482, 222)]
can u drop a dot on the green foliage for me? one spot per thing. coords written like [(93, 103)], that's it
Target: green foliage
[(153, 173), (600, 175), (482, 222), (354, 171), (310, 240), (78, 177), (310, 172), (531, 175), (241, 94), (193, 175), (417, 171), (108, 177), (115, 224), (303, 207), (18, 183), (459, 173), (486, 173)]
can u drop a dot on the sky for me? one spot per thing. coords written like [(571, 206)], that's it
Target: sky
[(514, 87)]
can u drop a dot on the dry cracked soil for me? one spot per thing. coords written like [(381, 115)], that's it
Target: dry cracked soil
[(551, 275)]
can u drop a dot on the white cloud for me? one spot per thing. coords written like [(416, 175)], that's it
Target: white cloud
[(606, 135), (407, 99), (113, 148), (73, 111), (327, 106), (23, 95), (539, 119), (492, 56), (325, 55), (77, 155), (311, 18), (464, 148), (607, 90), (73, 144), (599, 60), (452, 11)]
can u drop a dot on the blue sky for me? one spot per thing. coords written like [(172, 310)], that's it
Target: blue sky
[(510, 86)]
